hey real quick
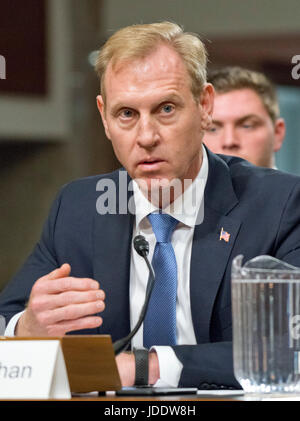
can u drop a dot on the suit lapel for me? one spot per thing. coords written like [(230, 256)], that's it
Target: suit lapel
[(112, 252), (210, 254)]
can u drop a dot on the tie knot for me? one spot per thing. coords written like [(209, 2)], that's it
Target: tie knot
[(163, 226)]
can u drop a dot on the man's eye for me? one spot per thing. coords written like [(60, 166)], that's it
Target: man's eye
[(167, 108), (249, 125), (212, 129), (126, 113)]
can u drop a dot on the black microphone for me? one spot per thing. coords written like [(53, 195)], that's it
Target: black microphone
[(141, 245)]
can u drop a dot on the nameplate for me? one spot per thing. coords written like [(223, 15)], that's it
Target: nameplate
[(33, 369)]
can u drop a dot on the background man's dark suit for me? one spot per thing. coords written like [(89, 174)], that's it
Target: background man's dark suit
[(259, 208)]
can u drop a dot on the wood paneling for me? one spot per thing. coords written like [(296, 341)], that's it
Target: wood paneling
[(23, 44), (269, 54)]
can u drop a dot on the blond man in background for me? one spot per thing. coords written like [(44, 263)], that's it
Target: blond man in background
[(246, 120)]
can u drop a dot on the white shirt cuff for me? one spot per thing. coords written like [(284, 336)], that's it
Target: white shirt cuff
[(10, 328), (170, 367)]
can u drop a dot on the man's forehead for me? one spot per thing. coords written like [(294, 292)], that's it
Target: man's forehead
[(162, 59), (239, 102)]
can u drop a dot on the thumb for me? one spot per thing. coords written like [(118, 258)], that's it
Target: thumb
[(61, 272)]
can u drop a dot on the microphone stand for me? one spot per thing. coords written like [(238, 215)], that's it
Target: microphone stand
[(141, 245)]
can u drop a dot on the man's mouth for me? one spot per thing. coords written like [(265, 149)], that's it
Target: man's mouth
[(150, 164)]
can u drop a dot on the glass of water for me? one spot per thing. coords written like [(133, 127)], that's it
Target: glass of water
[(266, 325)]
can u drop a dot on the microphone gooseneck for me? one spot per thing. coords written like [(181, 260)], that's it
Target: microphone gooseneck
[(141, 246)]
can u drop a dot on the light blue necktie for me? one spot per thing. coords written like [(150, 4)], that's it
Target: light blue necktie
[(160, 320)]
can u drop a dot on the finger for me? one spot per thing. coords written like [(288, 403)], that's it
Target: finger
[(57, 273), (61, 272), (59, 329), (49, 302), (58, 285), (71, 312)]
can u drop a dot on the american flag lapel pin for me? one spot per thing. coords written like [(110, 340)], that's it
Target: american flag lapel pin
[(224, 235)]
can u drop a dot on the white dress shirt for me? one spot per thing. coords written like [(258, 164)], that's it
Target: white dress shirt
[(187, 210)]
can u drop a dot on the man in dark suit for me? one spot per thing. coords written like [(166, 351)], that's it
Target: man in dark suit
[(155, 106)]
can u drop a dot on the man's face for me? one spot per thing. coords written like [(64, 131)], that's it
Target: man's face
[(242, 127), (151, 117)]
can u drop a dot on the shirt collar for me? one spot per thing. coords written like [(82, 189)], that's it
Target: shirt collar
[(185, 208)]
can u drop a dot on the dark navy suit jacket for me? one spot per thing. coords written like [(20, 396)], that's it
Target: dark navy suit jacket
[(259, 208)]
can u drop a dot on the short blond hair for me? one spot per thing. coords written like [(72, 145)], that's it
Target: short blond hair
[(138, 41), (231, 78)]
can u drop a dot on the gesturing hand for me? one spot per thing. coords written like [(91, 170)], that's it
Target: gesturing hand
[(59, 303)]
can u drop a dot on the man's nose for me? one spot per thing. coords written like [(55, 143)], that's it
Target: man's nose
[(147, 132), (230, 139)]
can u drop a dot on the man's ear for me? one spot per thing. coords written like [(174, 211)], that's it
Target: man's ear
[(101, 108), (279, 130), (206, 102)]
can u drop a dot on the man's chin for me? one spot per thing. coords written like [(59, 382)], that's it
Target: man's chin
[(153, 184), (160, 191)]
